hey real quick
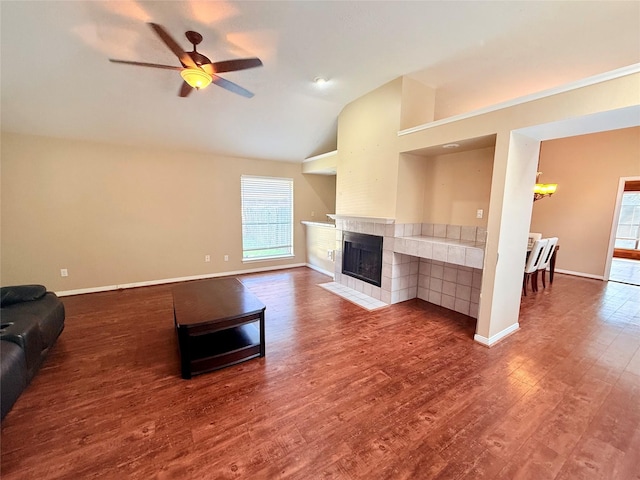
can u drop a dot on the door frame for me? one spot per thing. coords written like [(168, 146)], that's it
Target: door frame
[(614, 224)]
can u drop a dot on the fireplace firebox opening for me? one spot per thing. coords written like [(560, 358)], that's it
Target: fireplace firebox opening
[(362, 257)]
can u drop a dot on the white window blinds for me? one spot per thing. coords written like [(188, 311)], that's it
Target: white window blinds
[(267, 217)]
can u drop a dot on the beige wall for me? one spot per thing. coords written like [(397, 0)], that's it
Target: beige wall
[(116, 215), (412, 181), (418, 103), (368, 153), (608, 95), (320, 240), (458, 184), (587, 169), (370, 179)]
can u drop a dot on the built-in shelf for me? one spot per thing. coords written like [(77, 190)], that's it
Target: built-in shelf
[(318, 224), (458, 252), (351, 218), (331, 154), (324, 164)]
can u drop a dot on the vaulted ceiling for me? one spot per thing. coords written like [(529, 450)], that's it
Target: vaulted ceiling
[(56, 79)]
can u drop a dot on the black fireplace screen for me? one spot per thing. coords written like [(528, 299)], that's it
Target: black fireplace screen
[(362, 257)]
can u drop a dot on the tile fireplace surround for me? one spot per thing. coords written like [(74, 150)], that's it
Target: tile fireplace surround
[(441, 264)]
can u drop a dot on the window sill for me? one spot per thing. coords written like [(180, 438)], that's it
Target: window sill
[(266, 259)]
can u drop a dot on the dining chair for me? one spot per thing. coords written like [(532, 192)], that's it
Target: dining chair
[(531, 265), (532, 238), (547, 254)]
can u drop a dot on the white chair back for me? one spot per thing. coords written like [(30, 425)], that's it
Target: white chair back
[(548, 253), (535, 257), (532, 238)]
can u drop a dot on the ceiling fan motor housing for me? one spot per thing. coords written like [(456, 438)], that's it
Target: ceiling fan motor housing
[(195, 38)]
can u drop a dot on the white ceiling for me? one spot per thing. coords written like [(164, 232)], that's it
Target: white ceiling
[(56, 79)]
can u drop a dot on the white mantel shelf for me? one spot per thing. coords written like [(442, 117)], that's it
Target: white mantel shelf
[(386, 221), (318, 224)]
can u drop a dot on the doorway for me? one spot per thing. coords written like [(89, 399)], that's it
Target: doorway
[(625, 260)]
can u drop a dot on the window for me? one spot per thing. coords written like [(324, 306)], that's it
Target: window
[(267, 217), (628, 231)]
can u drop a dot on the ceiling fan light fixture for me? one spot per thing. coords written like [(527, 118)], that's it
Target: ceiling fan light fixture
[(195, 77)]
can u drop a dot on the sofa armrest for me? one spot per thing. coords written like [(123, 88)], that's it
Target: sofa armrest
[(21, 293), (27, 335)]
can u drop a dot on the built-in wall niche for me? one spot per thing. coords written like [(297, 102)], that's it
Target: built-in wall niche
[(320, 174), (447, 184), (450, 189), (458, 187)]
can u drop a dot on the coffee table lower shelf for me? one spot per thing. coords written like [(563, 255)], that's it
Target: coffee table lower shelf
[(221, 349)]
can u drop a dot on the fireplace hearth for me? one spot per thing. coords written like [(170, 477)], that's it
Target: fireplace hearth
[(362, 257)]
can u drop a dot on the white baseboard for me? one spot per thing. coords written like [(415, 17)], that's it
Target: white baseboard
[(579, 274), (497, 337), (107, 288), (321, 270)]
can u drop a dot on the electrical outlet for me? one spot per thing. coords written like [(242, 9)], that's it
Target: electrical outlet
[(226, 258), (330, 254), (479, 213), (64, 272), (313, 214), (207, 258)]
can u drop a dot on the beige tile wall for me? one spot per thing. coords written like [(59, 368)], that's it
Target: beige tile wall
[(455, 287)]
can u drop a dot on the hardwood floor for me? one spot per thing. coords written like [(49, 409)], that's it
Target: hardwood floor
[(398, 393)]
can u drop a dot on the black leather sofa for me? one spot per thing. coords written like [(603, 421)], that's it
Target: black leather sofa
[(31, 319)]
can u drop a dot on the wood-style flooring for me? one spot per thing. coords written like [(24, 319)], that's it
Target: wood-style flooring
[(398, 393)]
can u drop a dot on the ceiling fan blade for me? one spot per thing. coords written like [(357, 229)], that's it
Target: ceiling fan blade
[(185, 89), (143, 64), (232, 87), (168, 40), (231, 65)]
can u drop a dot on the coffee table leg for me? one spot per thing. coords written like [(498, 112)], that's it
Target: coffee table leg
[(185, 356), (262, 343)]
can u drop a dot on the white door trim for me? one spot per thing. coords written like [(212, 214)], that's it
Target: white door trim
[(614, 225)]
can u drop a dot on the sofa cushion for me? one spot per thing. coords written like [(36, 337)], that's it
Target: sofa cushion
[(13, 375), (21, 293)]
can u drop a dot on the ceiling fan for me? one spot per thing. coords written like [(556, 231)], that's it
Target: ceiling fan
[(197, 70)]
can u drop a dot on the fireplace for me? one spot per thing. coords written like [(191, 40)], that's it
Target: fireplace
[(362, 257)]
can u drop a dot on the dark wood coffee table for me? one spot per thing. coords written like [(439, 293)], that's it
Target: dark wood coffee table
[(216, 324)]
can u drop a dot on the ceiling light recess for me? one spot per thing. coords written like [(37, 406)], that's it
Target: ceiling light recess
[(320, 81), (451, 145)]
